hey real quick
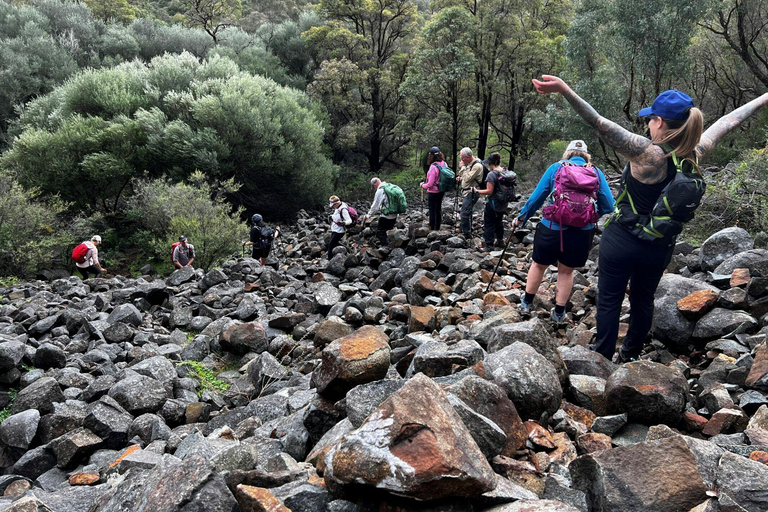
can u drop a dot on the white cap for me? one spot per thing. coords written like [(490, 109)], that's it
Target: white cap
[(577, 145), (96, 238)]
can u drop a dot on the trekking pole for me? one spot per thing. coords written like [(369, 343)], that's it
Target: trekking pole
[(422, 203), (509, 239)]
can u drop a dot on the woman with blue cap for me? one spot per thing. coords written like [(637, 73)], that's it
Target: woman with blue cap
[(675, 126)]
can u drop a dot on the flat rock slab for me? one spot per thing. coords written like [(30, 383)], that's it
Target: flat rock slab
[(414, 445)]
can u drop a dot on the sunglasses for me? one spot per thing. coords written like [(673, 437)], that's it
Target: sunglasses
[(648, 119)]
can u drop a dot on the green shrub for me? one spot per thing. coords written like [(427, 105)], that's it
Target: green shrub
[(206, 377), (195, 209)]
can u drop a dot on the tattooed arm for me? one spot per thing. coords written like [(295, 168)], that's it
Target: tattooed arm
[(726, 124), (648, 162)]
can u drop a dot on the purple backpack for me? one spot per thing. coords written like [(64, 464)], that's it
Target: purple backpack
[(575, 197)]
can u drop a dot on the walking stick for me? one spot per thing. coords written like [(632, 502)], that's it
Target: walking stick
[(455, 205), (422, 203), (511, 234)]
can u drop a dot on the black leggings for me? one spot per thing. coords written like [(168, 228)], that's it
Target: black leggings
[(492, 224), (435, 209), (623, 259), (93, 269), (335, 242), (383, 226)]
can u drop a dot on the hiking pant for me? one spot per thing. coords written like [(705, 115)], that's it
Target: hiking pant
[(435, 209), (382, 228), (623, 259), (93, 269), (335, 242), (492, 225), (467, 205)]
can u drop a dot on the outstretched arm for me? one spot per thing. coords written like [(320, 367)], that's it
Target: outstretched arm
[(726, 124), (623, 141)]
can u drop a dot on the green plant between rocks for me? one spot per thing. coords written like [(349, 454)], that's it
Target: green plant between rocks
[(6, 412), (206, 377)]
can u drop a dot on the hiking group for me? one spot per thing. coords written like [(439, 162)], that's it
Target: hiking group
[(661, 187)]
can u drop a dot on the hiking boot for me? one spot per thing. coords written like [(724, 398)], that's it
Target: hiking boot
[(557, 318), (525, 308), (500, 244), (620, 357)]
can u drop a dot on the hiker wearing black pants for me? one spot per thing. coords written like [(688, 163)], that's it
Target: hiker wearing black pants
[(379, 206), (470, 175), (673, 121), (435, 161), (339, 222), (493, 214)]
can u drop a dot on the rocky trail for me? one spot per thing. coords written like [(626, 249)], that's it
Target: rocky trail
[(383, 380)]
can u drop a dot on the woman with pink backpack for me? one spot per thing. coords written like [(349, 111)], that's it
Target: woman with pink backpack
[(577, 194)]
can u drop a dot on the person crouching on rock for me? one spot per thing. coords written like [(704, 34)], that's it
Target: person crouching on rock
[(261, 238), (183, 253), (560, 244), (340, 220), (91, 264)]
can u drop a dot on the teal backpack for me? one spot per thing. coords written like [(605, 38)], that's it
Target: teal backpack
[(447, 178), (396, 199)]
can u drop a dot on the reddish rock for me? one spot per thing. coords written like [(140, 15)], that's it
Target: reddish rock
[(579, 414), (424, 286), (740, 277), (250, 287), (539, 436), (421, 319), (725, 421), (759, 456), (331, 330), (758, 374), (495, 299), (88, 478), (565, 451), (485, 276), (413, 445), (592, 442), (697, 304), (649, 393), (258, 499), (361, 357), (694, 422)]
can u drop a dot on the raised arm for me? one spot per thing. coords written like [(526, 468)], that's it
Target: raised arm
[(724, 125), (629, 144)]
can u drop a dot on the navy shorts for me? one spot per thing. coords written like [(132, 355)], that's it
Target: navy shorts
[(576, 246)]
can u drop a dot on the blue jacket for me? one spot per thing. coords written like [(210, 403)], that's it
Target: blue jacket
[(545, 187)]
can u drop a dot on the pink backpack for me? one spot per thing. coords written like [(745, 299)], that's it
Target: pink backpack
[(575, 197)]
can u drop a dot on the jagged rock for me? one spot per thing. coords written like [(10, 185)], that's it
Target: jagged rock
[(579, 360), (40, 395), (754, 260), (258, 499), (213, 278), (421, 318), (362, 400), (50, 356), (157, 367), (28, 504), (302, 496), (172, 486), (125, 313), (73, 447), (534, 334), (743, 481), (722, 245), (330, 330), (489, 400), (662, 476), (588, 392), (648, 392), (265, 370), (327, 296), (11, 353), (244, 338), (139, 394), (435, 358), (181, 276), (758, 374), (414, 445), (528, 378), (482, 331), (534, 506), (18, 430), (669, 324), (697, 304), (352, 360), (720, 322)]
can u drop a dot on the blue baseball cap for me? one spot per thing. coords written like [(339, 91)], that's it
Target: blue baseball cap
[(670, 104)]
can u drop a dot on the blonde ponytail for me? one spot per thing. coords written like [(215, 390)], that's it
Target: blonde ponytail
[(684, 137)]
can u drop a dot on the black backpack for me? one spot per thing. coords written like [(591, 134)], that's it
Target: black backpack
[(267, 236), (675, 206), (504, 192)]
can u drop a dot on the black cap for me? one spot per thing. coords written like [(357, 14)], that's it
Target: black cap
[(434, 150), (182, 238)]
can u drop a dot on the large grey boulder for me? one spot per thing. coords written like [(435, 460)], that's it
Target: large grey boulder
[(722, 245), (720, 322), (533, 333), (157, 367), (181, 276), (17, 431), (125, 313), (755, 260), (11, 353), (437, 358), (40, 395), (529, 379), (139, 394), (668, 323), (744, 481)]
